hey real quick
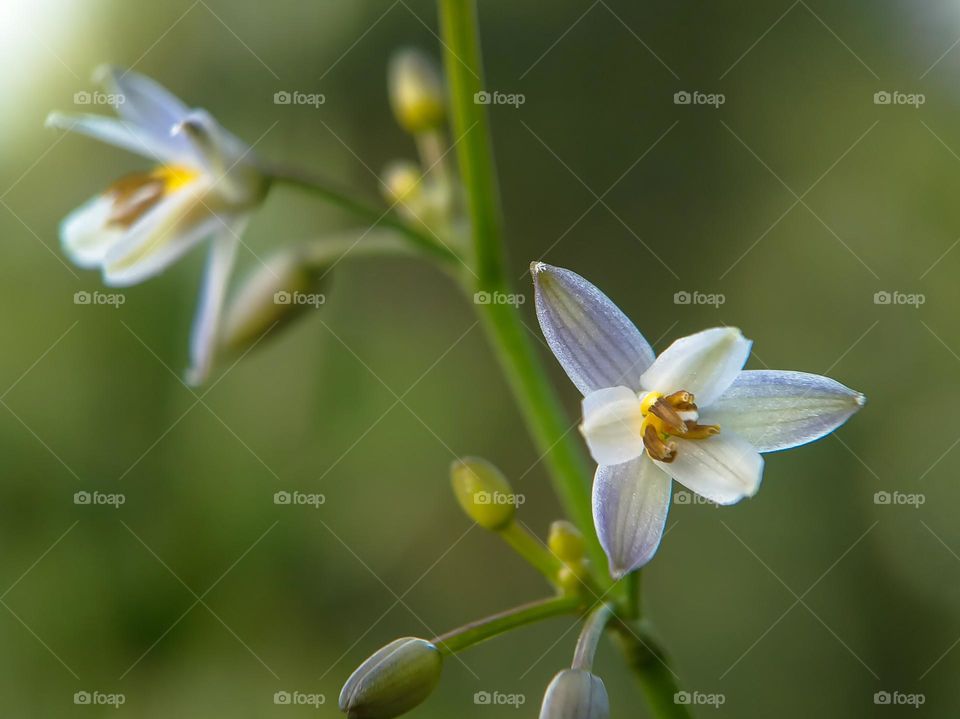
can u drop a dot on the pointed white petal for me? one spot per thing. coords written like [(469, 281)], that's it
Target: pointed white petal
[(230, 163), (145, 102), (705, 363), (776, 410), (611, 425), (630, 503), (84, 234), (163, 235), (592, 339), (724, 468), (122, 134), (206, 325)]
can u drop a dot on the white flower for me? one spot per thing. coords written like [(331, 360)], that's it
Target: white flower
[(692, 414), (204, 185)]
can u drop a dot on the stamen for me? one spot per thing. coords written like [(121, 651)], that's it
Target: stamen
[(656, 447), (134, 195), (672, 421), (701, 431)]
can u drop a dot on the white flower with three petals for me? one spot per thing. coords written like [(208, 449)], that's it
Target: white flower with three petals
[(205, 185), (693, 414)]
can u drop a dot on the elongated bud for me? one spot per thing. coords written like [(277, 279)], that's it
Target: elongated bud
[(394, 680), (566, 541), (575, 694), (416, 91), (483, 492), (277, 292)]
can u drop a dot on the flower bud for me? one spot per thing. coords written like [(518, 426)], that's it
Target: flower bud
[(483, 492), (278, 291), (575, 694), (566, 541), (394, 680), (416, 91), (401, 182)]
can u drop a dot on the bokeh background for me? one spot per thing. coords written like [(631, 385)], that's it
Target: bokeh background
[(797, 200)]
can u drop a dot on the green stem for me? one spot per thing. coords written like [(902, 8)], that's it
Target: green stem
[(374, 215), (525, 374), (649, 664), (590, 637), (482, 629), (530, 548)]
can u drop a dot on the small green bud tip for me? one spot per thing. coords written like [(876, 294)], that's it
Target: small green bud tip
[(566, 541), (483, 493), (394, 680), (575, 694), (401, 182), (416, 91)]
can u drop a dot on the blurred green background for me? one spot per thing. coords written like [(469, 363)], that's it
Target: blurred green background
[(200, 597)]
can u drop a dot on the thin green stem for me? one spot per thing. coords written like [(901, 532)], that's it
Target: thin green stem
[(590, 637), (530, 548), (545, 416), (482, 629), (374, 215), (649, 664)]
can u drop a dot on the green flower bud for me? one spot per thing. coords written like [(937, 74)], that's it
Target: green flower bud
[(394, 680), (416, 91), (278, 291), (575, 694), (566, 541), (401, 182), (483, 492)]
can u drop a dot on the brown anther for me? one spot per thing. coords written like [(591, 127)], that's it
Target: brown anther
[(701, 431), (657, 448), (672, 421), (132, 196), (681, 400)]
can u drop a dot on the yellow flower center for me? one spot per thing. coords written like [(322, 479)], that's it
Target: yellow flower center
[(134, 195), (673, 415)]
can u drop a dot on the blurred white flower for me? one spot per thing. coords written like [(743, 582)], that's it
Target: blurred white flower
[(692, 414), (205, 184)]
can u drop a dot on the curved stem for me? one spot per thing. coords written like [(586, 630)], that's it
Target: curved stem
[(375, 216), (488, 627), (590, 637)]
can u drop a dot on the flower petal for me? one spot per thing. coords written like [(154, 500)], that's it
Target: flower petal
[(591, 338), (776, 410), (611, 425), (724, 468), (85, 234), (113, 132), (705, 364), (206, 325), (144, 102), (630, 504)]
